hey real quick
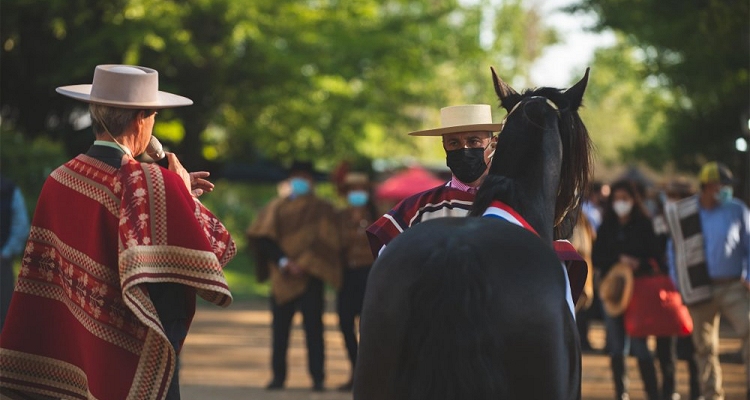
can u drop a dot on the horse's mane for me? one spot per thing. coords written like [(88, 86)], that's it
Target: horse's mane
[(574, 170), (576, 160)]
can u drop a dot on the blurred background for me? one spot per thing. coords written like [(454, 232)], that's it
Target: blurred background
[(342, 82)]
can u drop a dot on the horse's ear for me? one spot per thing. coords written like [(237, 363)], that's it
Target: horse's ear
[(575, 93), (508, 97)]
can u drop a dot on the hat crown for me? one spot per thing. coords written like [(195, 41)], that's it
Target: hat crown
[(463, 118), (469, 114), (125, 84), (715, 172)]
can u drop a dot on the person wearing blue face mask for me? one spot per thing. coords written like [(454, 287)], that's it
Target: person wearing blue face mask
[(296, 242), (713, 275), (357, 258)]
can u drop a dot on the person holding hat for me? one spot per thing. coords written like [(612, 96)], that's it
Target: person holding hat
[(357, 259), (117, 252), (714, 278), (295, 240), (467, 132), (626, 239)]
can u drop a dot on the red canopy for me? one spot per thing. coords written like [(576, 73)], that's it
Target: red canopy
[(406, 183)]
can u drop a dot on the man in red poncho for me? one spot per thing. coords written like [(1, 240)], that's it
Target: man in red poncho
[(116, 254)]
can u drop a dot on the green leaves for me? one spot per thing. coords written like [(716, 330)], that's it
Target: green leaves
[(694, 70), (325, 79)]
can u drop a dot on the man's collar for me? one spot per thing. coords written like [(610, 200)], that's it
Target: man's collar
[(457, 184), (108, 144)]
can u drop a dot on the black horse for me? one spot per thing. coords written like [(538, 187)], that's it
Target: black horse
[(475, 308)]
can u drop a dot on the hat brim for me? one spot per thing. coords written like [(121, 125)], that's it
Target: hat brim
[(459, 128), (618, 271), (164, 99)]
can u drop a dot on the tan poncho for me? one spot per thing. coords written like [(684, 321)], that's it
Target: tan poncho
[(306, 230)]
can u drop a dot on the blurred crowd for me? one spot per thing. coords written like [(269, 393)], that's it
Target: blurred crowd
[(636, 231)]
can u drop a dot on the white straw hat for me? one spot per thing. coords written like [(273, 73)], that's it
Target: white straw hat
[(124, 86), (464, 118)]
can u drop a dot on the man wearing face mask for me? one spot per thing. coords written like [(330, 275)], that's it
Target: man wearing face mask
[(713, 277), (356, 258), (469, 144), (296, 242)]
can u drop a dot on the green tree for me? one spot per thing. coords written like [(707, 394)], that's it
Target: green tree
[(699, 52), (324, 79)]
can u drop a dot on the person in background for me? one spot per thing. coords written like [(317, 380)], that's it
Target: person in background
[(14, 229), (296, 242), (681, 347), (717, 283), (117, 251), (583, 239), (592, 204), (626, 235), (356, 258), (591, 307)]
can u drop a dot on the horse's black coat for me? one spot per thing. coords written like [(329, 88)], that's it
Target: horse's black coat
[(474, 308)]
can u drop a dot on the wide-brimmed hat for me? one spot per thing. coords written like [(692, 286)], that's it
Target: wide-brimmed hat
[(464, 118), (716, 172), (124, 86), (616, 289)]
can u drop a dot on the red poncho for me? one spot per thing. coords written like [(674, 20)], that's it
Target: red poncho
[(81, 323)]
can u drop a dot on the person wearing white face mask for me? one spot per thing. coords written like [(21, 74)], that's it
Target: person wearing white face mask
[(296, 242), (357, 259), (626, 236), (722, 231)]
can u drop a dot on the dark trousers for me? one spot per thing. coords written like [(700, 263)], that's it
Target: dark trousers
[(665, 352), (310, 303), (170, 302), (620, 345), (349, 306), (176, 331)]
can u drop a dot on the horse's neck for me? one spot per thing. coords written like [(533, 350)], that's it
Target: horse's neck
[(544, 183), (539, 213)]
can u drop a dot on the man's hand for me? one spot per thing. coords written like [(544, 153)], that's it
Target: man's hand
[(199, 185), (194, 181), (176, 166), (631, 261), (294, 270)]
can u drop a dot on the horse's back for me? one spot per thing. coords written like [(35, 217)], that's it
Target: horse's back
[(464, 307)]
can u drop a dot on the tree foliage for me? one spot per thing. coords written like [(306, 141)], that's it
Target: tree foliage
[(699, 52), (323, 79)]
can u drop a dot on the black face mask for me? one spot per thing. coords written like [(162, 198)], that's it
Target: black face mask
[(467, 164)]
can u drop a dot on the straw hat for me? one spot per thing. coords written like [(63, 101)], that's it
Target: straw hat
[(124, 86), (465, 118), (616, 289)]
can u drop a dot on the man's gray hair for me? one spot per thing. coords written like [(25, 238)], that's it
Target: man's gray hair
[(112, 119)]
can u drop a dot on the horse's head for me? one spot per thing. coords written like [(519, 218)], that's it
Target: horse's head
[(542, 160)]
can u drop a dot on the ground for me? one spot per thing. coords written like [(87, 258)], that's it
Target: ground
[(228, 351)]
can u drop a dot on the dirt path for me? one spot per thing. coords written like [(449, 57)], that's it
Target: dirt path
[(228, 351)]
